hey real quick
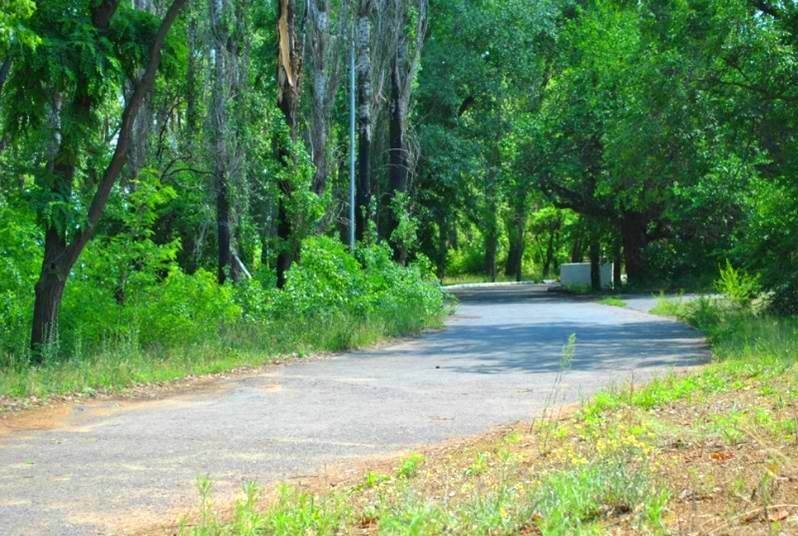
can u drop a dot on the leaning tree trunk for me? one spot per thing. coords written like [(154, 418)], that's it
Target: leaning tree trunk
[(289, 71), (364, 97), (59, 254)]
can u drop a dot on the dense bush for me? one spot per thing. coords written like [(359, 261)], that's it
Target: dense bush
[(347, 299), (19, 259), (330, 282)]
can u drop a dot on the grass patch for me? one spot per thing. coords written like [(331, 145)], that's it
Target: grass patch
[(706, 452), (124, 363), (613, 301)]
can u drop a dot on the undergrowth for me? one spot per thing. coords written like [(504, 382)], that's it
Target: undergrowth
[(186, 325)]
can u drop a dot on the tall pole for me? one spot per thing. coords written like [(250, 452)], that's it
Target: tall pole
[(352, 178)]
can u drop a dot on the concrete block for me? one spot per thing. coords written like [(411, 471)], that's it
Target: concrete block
[(578, 275)]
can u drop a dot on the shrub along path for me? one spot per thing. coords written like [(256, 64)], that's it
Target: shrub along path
[(105, 466)]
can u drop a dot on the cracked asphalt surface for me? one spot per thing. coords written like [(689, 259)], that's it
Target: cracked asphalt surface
[(105, 467)]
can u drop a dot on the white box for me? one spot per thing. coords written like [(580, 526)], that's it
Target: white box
[(577, 274)]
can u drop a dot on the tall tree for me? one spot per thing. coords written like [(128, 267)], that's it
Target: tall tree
[(225, 147), (289, 75), (327, 40), (412, 22), (70, 113), (363, 23)]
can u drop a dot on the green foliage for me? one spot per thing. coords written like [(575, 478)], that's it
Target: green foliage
[(737, 286), (331, 281), (613, 301), (19, 262), (410, 466), (570, 501), (171, 323), (14, 31), (405, 236)]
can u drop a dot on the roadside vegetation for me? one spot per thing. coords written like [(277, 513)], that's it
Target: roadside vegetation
[(613, 301), (182, 325), (710, 452)]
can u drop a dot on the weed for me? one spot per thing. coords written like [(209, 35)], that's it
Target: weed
[(739, 287), (572, 500), (410, 466), (479, 466), (373, 479)]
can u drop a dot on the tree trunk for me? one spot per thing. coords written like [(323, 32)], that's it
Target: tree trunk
[(289, 70), (364, 97), (319, 42), (549, 253), (491, 248), (443, 234), (397, 156), (142, 123), (513, 266), (411, 22), (223, 61), (515, 256), (595, 264), (633, 235), (5, 68), (490, 222), (226, 266), (49, 289), (578, 246), (516, 228), (324, 63), (617, 260)]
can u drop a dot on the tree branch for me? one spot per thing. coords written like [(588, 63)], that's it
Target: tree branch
[(767, 8), (119, 157)]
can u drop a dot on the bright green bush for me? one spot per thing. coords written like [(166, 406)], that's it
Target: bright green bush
[(162, 321), (331, 282), (185, 309), (20, 260), (328, 280), (739, 287)]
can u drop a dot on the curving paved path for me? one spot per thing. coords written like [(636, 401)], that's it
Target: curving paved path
[(103, 466)]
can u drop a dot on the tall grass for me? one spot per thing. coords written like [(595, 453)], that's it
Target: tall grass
[(189, 325), (124, 362)]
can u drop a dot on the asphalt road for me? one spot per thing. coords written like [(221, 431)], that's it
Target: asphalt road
[(104, 467)]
